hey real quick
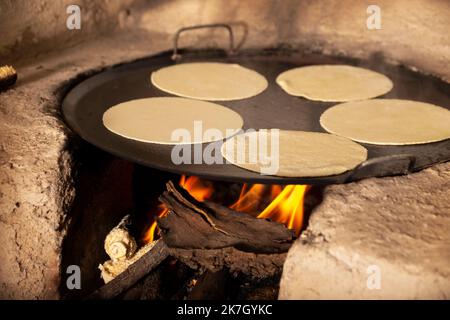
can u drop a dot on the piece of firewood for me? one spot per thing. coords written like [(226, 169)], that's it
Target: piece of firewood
[(112, 268), (191, 224), (251, 266), (121, 247), (119, 244), (133, 273)]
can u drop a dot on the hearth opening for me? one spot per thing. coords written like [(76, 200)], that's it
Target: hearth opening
[(186, 237)]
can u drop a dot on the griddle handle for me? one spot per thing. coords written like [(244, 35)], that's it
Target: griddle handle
[(383, 166), (177, 56)]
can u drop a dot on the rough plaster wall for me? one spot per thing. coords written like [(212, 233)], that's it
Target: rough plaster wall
[(415, 32), (35, 194), (32, 27), (36, 168)]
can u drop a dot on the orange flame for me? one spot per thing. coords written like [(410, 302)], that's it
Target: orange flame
[(250, 198), (150, 233), (201, 190), (287, 207), (285, 204)]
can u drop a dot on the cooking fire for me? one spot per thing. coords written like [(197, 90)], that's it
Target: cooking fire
[(285, 203)]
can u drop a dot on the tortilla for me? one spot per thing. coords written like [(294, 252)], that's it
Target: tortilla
[(301, 154), (388, 121), (209, 81), (155, 119), (334, 83)]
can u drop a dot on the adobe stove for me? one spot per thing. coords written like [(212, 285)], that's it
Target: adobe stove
[(139, 226)]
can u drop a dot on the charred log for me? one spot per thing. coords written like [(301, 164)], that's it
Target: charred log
[(191, 224), (251, 266)]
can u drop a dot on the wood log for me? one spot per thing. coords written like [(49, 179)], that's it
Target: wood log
[(150, 287), (112, 268), (119, 244), (208, 236), (250, 266), (133, 273), (191, 224)]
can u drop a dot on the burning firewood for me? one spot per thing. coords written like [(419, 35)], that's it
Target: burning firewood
[(203, 236), (192, 224)]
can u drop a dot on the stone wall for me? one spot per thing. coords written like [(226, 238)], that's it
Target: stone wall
[(39, 163)]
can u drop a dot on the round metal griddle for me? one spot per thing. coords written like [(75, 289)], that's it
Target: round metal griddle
[(85, 104)]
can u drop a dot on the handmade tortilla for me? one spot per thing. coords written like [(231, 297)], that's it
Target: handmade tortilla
[(334, 83), (155, 119), (388, 121), (209, 81), (301, 154)]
